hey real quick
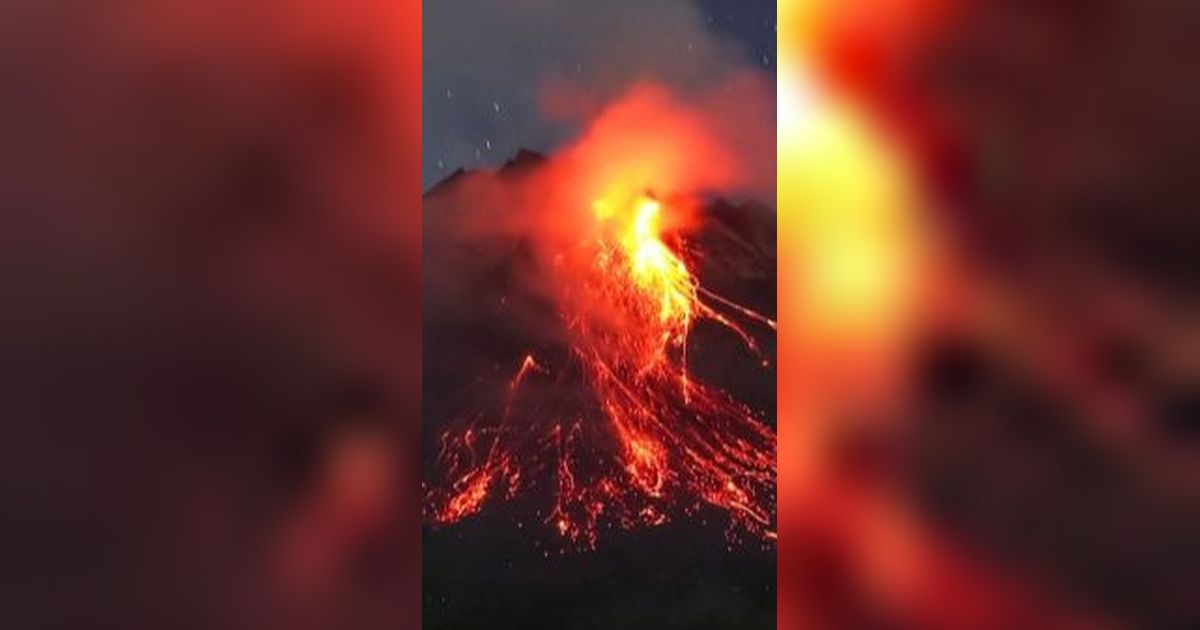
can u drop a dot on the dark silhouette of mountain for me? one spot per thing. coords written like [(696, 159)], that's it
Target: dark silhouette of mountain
[(483, 310)]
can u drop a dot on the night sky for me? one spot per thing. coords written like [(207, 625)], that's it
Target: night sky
[(484, 60)]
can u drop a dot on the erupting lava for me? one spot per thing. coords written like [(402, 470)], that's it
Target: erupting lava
[(645, 442)]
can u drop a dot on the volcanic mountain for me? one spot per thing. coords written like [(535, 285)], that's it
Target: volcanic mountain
[(491, 330)]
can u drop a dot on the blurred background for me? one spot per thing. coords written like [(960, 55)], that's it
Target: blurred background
[(989, 353), (209, 355)]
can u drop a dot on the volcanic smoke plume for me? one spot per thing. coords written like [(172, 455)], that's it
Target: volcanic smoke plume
[(585, 269)]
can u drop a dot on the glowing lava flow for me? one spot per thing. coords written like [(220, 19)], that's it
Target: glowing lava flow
[(649, 442)]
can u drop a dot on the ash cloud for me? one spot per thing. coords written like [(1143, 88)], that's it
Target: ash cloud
[(488, 68)]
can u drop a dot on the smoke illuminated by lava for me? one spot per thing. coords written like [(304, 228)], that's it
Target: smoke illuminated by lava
[(646, 442)]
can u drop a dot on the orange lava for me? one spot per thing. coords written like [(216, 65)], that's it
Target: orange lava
[(649, 443)]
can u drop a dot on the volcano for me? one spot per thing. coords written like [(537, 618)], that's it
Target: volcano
[(638, 393)]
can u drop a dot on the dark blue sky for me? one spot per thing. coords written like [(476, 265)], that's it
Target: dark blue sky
[(484, 60), (751, 22)]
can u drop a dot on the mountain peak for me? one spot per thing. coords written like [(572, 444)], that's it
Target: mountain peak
[(524, 160)]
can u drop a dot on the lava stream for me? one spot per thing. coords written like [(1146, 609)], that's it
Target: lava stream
[(652, 442)]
